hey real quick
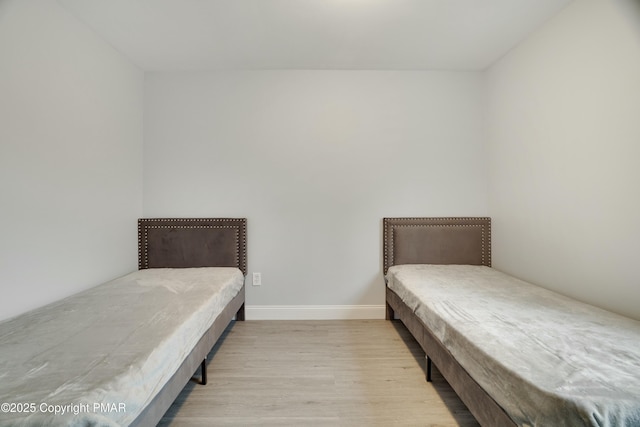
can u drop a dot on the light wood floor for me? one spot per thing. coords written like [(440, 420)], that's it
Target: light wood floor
[(318, 373)]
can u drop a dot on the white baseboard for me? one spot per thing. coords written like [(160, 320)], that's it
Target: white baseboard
[(314, 312)]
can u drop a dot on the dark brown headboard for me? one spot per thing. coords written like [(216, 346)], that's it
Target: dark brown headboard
[(192, 242), (437, 241)]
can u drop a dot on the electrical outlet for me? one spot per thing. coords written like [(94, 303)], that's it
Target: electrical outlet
[(257, 279)]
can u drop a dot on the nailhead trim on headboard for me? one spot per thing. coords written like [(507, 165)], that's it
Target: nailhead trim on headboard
[(239, 224), (390, 224)]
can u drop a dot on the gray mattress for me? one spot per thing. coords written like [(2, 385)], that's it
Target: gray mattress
[(115, 345), (546, 359)]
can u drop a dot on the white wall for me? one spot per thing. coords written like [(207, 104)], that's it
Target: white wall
[(564, 152), (70, 156), (314, 160)]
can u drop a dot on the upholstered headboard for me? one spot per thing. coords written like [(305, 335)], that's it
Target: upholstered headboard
[(436, 241), (192, 242)]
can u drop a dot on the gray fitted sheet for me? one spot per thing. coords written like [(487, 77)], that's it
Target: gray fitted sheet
[(546, 359), (115, 344)]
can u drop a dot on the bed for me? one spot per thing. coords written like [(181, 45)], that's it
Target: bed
[(119, 354), (515, 353)]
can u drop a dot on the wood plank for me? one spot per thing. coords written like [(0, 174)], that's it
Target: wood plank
[(318, 373)]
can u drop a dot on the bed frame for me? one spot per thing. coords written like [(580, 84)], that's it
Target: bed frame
[(192, 242), (441, 241)]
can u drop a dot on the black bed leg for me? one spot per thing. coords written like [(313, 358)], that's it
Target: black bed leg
[(240, 313), (428, 369), (389, 313), (203, 371)]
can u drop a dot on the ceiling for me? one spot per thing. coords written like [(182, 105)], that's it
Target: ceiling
[(163, 35)]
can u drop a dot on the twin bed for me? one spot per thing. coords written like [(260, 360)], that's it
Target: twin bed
[(119, 354), (515, 353)]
